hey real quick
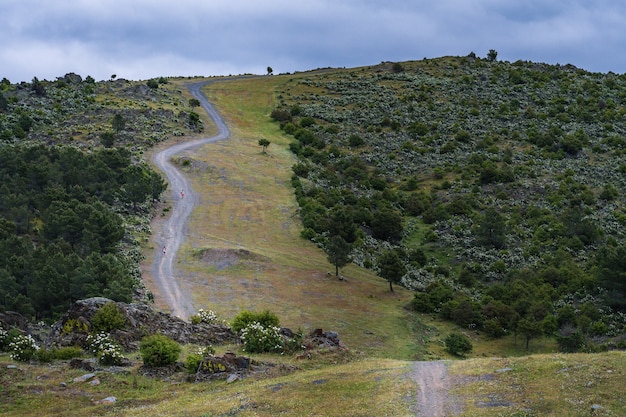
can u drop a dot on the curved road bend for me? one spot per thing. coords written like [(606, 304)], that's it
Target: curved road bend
[(172, 233)]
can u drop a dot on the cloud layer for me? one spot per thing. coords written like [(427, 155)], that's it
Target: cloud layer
[(141, 39)]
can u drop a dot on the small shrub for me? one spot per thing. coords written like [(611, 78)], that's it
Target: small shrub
[(458, 344), (265, 318), (257, 338), (204, 316), (106, 350), (159, 350), (75, 326), (194, 359), (67, 352), (108, 317)]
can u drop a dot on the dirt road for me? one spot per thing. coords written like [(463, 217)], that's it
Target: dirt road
[(432, 381), (170, 237)]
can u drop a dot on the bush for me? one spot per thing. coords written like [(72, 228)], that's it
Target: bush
[(108, 317), (458, 344), (105, 349), (23, 348), (204, 316), (194, 359), (4, 339), (257, 338), (265, 318), (159, 350)]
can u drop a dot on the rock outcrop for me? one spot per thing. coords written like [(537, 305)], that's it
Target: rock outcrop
[(141, 320)]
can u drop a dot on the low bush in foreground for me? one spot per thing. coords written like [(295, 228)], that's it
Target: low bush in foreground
[(159, 350)]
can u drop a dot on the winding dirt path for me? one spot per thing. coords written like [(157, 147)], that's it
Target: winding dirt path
[(433, 383), (171, 236)]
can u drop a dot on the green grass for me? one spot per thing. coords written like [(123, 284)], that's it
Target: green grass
[(247, 204)]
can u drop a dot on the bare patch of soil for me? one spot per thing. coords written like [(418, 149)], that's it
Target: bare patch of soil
[(226, 258)]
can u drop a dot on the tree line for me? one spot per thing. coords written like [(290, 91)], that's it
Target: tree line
[(61, 225)]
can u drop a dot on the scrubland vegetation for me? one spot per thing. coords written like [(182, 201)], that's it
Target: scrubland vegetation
[(490, 195)]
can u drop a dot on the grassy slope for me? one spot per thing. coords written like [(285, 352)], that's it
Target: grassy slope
[(247, 204), (291, 280)]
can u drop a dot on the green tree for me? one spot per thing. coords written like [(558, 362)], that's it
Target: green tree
[(264, 143), (118, 123), (492, 55), (530, 329), (193, 103), (270, 70), (107, 139), (611, 274), (490, 230), (387, 224), (391, 267), (338, 252)]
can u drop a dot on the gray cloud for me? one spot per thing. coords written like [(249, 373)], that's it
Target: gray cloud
[(140, 39)]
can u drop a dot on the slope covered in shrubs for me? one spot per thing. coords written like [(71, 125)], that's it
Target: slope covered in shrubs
[(500, 187)]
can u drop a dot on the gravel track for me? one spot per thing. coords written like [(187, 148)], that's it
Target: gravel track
[(433, 384), (172, 234)]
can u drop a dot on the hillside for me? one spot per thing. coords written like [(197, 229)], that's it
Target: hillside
[(496, 189), (420, 160)]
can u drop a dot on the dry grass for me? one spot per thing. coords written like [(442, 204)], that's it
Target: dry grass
[(243, 248), (543, 385)]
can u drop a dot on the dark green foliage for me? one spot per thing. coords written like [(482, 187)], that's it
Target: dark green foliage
[(529, 328), (264, 143), (118, 123), (154, 84), (61, 198), (281, 115), (107, 139), (611, 274), (194, 120), (159, 350), (338, 252), (107, 318), (391, 267), (458, 344), (387, 224), (265, 318), (496, 169), (490, 230)]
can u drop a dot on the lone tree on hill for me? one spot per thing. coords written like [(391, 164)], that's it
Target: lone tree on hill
[(338, 251), (391, 267), (269, 70), (492, 55), (264, 143)]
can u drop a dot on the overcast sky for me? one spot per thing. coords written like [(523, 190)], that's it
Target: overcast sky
[(142, 39)]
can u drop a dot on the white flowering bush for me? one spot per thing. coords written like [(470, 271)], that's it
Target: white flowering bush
[(23, 348), (257, 338), (204, 316), (4, 335), (106, 350)]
